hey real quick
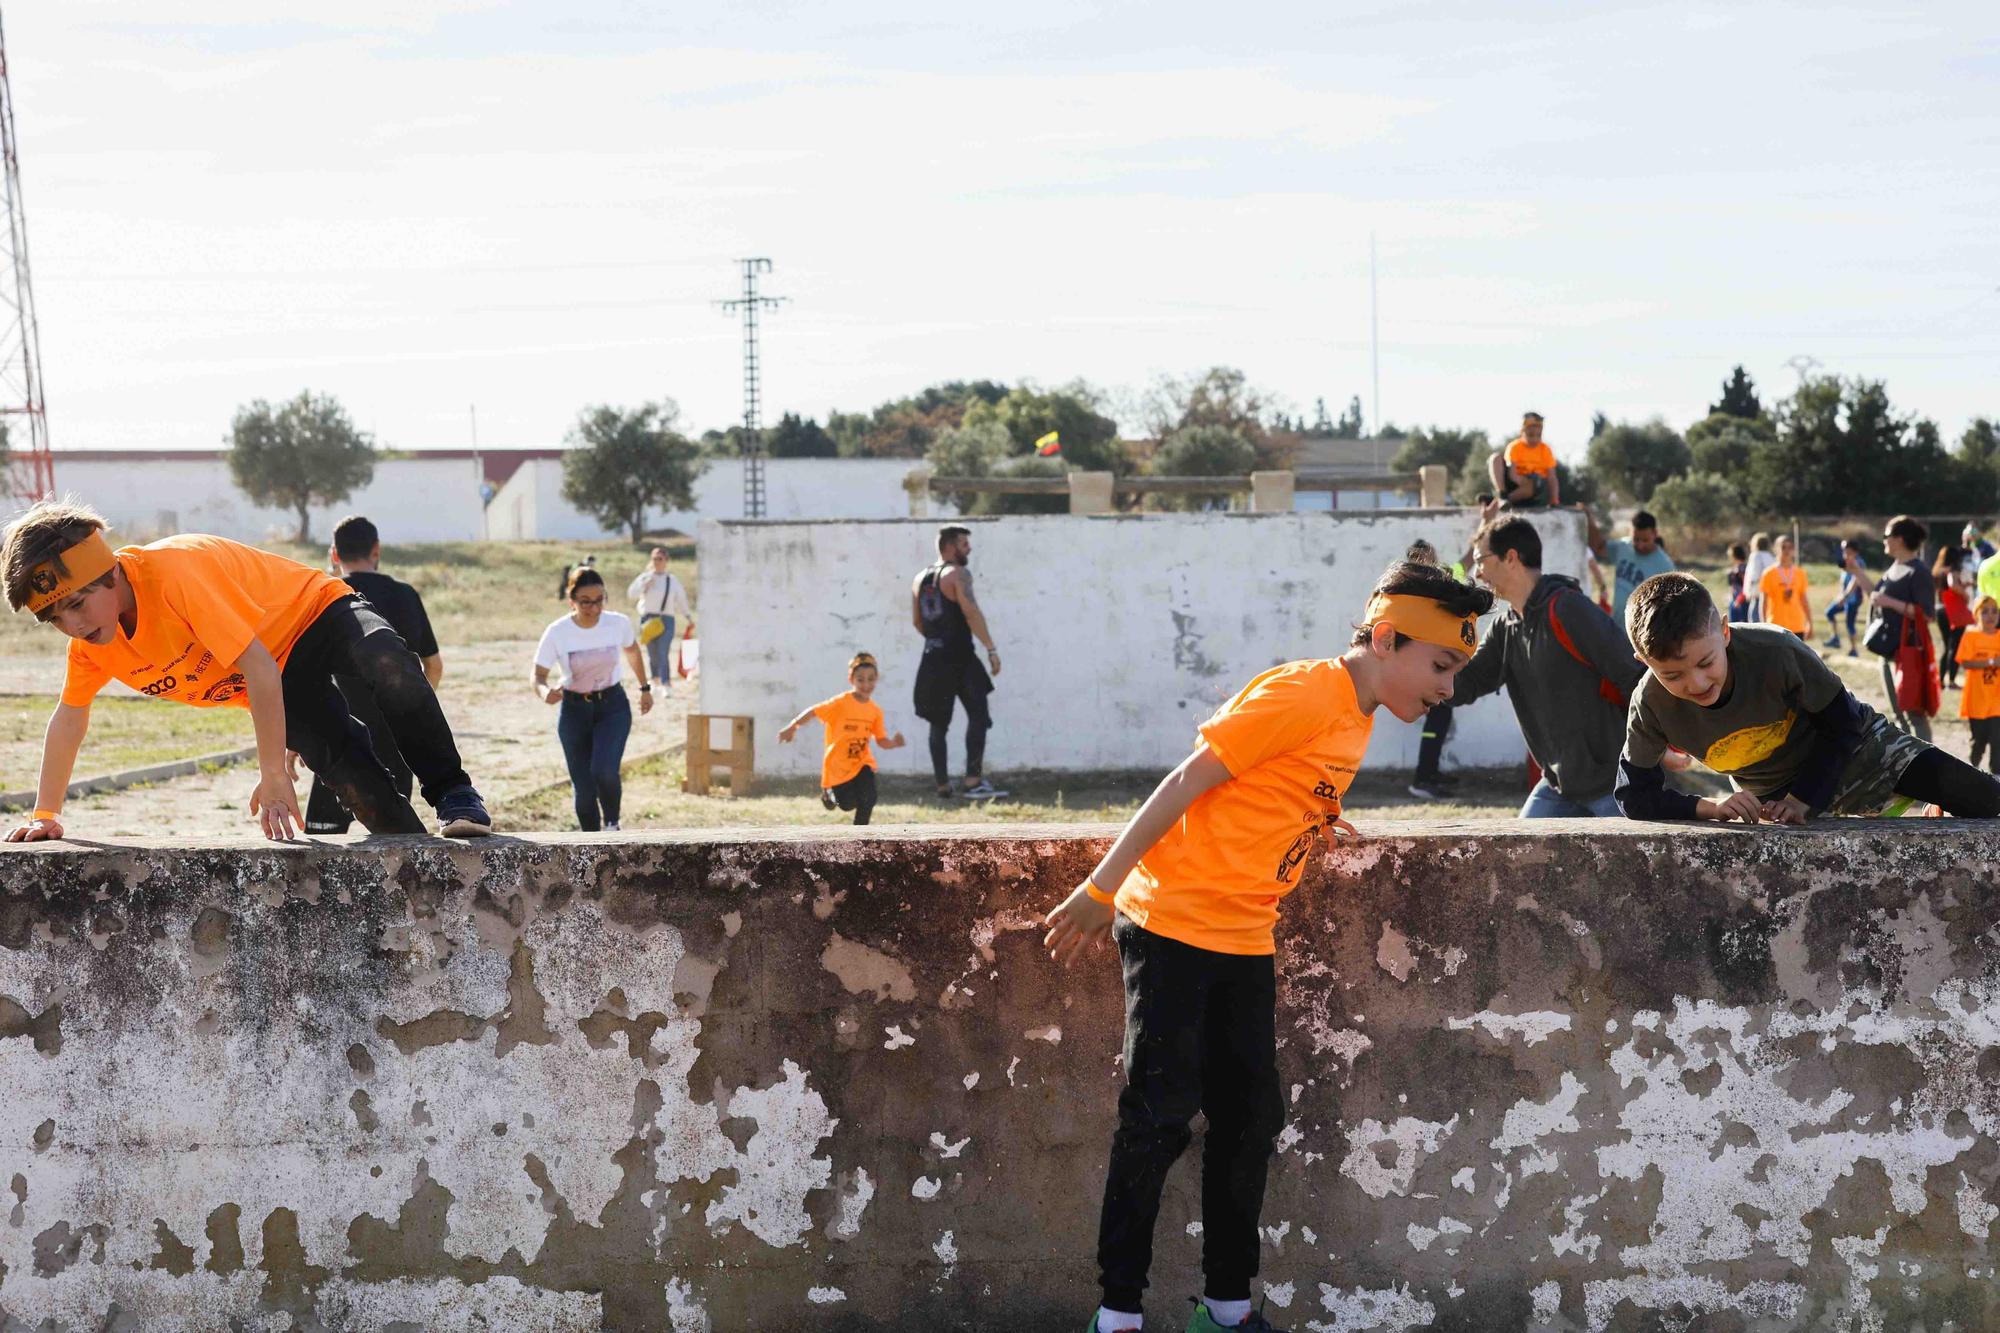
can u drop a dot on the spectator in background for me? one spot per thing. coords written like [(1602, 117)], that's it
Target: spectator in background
[(1979, 654), (563, 585), (1785, 594), (1848, 601), (596, 717), (1988, 580), (1954, 611), (658, 595), (1633, 561), (1524, 473), (1977, 548), (1761, 559), (1739, 596), (1430, 783), (1906, 593)]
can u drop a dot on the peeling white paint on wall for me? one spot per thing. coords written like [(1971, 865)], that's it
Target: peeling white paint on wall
[(1362, 1311), (1533, 1028), (826, 1295), (1411, 1139)]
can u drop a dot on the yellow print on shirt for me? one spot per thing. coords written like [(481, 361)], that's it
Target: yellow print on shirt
[(1740, 749)]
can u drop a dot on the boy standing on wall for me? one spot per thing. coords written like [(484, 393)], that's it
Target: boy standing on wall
[(211, 622), (1757, 704), (1189, 893)]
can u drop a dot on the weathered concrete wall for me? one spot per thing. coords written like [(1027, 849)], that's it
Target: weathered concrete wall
[(1117, 635), (1584, 1076)]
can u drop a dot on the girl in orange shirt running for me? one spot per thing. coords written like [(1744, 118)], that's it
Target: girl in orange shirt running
[(1784, 592), (1190, 892), (847, 770), (1979, 702)]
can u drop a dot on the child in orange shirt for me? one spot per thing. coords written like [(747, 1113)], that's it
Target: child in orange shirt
[(1784, 592), (212, 623), (847, 771), (1979, 702), (1189, 892), (1524, 473)]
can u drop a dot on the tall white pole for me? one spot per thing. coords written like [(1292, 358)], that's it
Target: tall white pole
[(478, 468), (1374, 349)]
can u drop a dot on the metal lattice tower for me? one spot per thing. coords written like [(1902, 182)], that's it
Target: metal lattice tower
[(748, 305), (20, 334)]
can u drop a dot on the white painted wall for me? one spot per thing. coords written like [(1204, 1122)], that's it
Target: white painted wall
[(1117, 634), (531, 505), (410, 499)]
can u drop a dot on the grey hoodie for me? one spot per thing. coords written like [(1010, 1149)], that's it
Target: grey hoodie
[(1573, 731)]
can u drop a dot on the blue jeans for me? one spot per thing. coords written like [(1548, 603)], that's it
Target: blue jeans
[(593, 733), (1545, 802), (660, 652)]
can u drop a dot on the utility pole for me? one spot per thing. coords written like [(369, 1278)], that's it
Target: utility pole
[(748, 305), (20, 334), (1375, 351), (1804, 366)]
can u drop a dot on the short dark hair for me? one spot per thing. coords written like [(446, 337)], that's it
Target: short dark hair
[(1409, 578), (1909, 531), (1531, 416), (1421, 552), (1643, 520), (1738, 551), (585, 577), (355, 538), (950, 533), (1666, 611), (1512, 532)]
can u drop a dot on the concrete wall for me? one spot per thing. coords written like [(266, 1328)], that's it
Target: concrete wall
[(410, 499), (1117, 635), (1581, 1076), (531, 506)]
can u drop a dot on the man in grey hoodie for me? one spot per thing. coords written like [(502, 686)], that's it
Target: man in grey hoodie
[(1566, 666)]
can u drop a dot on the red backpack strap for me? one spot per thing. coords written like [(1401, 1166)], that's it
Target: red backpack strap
[(1607, 691)]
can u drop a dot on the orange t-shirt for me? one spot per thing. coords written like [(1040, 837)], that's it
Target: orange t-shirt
[(1784, 593), (849, 723), (1979, 694), (1292, 740), (1531, 460), (201, 600)]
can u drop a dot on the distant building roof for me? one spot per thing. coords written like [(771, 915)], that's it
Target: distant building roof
[(1321, 454), (498, 464)]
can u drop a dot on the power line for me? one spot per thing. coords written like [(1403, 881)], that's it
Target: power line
[(747, 305)]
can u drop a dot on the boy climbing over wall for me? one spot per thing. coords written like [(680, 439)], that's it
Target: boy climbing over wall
[(1756, 703), (213, 623), (847, 770), (1189, 893)]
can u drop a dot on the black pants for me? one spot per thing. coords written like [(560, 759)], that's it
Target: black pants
[(857, 794), (978, 720), (1200, 1035), (1430, 750), (1986, 742), (1951, 784), (324, 812), (1948, 654), (349, 639)]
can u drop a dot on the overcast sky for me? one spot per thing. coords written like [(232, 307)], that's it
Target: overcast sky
[(530, 207)]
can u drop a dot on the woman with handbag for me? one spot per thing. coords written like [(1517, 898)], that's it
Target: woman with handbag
[(1899, 631)]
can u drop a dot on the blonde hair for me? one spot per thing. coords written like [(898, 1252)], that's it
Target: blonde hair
[(39, 537)]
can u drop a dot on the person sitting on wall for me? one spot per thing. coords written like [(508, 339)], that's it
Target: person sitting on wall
[(1524, 473), (1566, 668), (211, 622), (1757, 704), (847, 769), (1189, 893)]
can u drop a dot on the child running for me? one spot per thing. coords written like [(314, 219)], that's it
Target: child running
[(1755, 703), (1783, 591), (847, 771), (1979, 703), (212, 623), (1847, 601), (1189, 893)]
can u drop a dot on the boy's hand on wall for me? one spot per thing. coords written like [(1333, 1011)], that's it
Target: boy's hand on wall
[(1737, 805), (36, 830), (1080, 922), (276, 806), (1786, 810)]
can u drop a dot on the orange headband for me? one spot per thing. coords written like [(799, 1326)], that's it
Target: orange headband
[(64, 574), (861, 660), (1424, 620)]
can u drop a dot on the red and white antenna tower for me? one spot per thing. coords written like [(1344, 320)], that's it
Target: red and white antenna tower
[(20, 335)]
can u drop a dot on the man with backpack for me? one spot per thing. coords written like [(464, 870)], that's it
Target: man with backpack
[(1567, 669)]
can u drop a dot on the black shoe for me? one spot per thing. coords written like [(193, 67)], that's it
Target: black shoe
[(826, 799), (461, 814)]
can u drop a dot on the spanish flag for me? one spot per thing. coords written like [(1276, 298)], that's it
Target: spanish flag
[(1048, 445)]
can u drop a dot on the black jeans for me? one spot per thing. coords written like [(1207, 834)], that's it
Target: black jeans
[(593, 733), (1430, 750), (1948, 653), (1200, 1035), (978, 720), (324, 812), (1951, 784), (857, 794), (350, 640), (1986, 742)]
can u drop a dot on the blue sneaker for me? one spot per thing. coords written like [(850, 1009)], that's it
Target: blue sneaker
[(461, 814)]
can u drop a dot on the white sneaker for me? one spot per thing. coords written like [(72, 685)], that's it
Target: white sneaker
[(610, 826), (981, 791)]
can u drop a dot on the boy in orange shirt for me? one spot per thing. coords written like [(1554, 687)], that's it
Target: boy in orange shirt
[(212, 623), (1524, 473), (847, 771), (1979, 703), (1189, 892), (1784, 592)]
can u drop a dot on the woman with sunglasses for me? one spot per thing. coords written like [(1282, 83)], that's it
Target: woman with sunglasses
[(596, 718)]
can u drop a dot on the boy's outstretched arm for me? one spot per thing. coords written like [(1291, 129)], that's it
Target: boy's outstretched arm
[(791, 728), (60, 743), (275, 802), (1642, 793), (1084, 917)]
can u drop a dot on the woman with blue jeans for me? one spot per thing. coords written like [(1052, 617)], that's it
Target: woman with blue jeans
[(596, 718)]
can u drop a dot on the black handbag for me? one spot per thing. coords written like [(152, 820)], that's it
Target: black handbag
[(1883, 638)]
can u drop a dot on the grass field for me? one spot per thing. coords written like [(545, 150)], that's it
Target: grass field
[(125, 732)]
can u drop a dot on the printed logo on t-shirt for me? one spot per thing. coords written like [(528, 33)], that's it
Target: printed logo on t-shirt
[(1740, 749)]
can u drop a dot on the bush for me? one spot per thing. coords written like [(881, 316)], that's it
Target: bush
[(1202, 451), (1698, 502)]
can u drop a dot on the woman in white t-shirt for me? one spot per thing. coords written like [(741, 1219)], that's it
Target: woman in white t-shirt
[(585, 646)]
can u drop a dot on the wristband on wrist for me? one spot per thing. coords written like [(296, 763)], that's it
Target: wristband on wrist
[(645, 687), (1097, 895), (42, 814)]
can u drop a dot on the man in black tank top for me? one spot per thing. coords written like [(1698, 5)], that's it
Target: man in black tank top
[(946, 613)]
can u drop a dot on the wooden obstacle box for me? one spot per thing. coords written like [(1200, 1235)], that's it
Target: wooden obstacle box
[(704, 757)]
